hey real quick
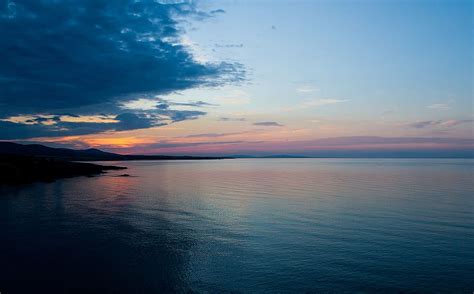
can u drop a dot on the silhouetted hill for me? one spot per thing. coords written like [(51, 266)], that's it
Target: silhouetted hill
[(21, 164), (81, 155), (19, 169), (60, 153)]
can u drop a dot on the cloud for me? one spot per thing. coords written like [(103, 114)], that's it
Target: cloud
[(216, 11), (374, 140), (33, 126), (130, 121), (268, 124), (180, 115), (169, 144), (359, 146), (232, 119), (322, 102), (229, 45), (454, 122), (142, 104), (193, 103), (160, 103), (306, 89), (214, 135), (162, 108), (422, 124), (58, 127), (89, 57), (439, 123), (439, 106), (309, 103)]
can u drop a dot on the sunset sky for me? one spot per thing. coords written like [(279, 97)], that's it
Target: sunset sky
[(239, 77)]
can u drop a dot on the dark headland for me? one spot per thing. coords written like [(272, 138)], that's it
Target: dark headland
[(22, 164), (16, 170)]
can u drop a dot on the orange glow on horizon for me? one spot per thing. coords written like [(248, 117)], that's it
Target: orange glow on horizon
[(124, 142)]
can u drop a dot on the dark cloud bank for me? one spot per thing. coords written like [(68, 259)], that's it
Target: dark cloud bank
[(87, 56)]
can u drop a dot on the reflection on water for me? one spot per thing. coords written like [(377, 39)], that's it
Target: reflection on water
[(289, 225)]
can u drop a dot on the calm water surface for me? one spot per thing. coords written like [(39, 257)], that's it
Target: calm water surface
[(245, 225)]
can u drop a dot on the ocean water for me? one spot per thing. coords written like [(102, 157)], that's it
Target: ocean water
[(245, 225)]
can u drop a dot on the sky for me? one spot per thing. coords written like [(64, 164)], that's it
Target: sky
[(316, 78)]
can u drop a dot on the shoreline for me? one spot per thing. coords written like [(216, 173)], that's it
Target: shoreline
[(20, 170)]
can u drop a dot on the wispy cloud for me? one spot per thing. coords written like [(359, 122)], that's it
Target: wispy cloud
[(193, 104), (232, 119), (268, 124), (306, 89), (439, 106), (439, 123), (213, 135), (310, 103), (140, 104), (160, 103), (216, 11), (366, 145), (375, 140), (323, 102), (229, 45), (387, 112)]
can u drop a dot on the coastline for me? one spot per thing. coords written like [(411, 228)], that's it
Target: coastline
[(19, 170)]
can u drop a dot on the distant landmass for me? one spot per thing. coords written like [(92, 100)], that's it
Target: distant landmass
[(26, 163), (17, 169), (270, 156), (39, 150), (22, 164)]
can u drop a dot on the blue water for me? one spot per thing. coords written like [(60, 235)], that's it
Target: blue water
[(245, 225)]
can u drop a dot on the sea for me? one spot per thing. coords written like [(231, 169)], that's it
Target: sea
[(244, 226)]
